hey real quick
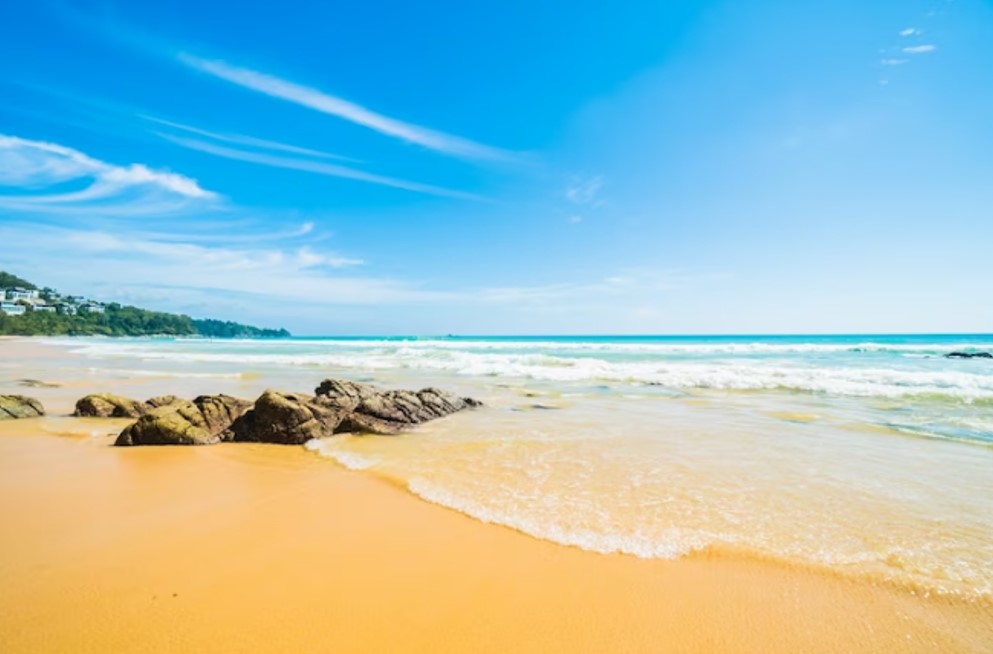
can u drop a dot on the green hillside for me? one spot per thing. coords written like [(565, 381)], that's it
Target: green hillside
[(115, 320)]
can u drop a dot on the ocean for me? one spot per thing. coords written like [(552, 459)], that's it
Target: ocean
[(865, 456)]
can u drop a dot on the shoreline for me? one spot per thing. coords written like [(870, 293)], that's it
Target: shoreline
[(270, 548)]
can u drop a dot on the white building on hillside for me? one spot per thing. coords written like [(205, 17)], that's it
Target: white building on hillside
[(11, 309), (21, 294)]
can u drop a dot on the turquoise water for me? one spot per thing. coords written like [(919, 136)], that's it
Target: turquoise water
[(902, 381)]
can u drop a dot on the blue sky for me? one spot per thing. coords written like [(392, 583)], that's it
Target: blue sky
[(506, 167)]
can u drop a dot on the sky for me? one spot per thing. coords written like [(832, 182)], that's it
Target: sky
[(540, 167)]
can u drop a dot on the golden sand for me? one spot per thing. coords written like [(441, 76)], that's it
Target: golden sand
[(254, 548)]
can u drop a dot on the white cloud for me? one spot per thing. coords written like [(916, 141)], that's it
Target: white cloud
[(584, 191), (308, 259), (38, 166), (270, 274), (318, 167), (920, 49), (910, 31), (334, 106), (36, 163), (894, 62), (251, 141), (631, 282)]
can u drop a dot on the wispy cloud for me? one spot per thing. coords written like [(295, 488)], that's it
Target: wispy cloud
[(318, 167), (894, 62), (630, 282), (308, 258), (38, 171), (910, 31), (584, 190), (268, 274), (220, 257), (319, 101), (920, 49), (250, 141)]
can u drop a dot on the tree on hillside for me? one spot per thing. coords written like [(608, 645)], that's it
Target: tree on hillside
[(8, 280)]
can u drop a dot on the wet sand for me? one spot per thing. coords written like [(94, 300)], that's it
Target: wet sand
[(255, 548), (268, 548)]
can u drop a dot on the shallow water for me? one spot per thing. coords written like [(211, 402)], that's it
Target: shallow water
[(867, 456)]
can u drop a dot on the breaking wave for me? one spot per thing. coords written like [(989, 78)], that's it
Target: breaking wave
[(835, 369)]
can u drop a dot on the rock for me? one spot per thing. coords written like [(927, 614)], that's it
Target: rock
[(107, 405), (287, 419), (391, 412), (37, 383), (969, 355), (536, 407), (161, 400), (360, 423), (13, 407), (342, 394), (220, 411), (204, 421)]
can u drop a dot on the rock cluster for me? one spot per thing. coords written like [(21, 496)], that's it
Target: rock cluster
[(13, 407), (279, 417)]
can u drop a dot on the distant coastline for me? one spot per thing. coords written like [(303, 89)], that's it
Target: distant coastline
[(26, 310)]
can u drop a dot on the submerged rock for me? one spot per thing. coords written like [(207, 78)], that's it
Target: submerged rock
[(13, 407), (204, 421), (969, 355), (37, 383), (536, 407), (286, 418)]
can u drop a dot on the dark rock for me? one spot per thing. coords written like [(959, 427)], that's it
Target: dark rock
[(13, 407), (342, 394), (286, 418), (107, 405), (204, 421), (220, 411), (969, 355), (539, 407), (391, 412), (360, 423), (161, 400), (37, 383)]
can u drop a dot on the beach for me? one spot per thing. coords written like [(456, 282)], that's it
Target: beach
[(244, 547)]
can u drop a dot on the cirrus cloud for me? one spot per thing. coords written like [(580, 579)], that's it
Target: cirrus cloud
[(32, 174)]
